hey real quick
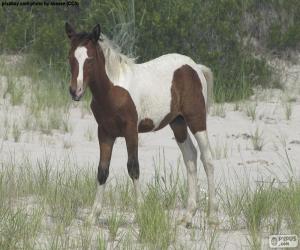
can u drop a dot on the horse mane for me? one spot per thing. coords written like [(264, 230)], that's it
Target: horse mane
[(115, 61)]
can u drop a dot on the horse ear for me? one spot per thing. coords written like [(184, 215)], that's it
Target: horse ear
[(96, 33), (70, 31)]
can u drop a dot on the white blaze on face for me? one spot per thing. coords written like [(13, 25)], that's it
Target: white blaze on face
[(80, 55)]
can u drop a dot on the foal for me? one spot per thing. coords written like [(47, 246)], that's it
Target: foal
[(170, 95)]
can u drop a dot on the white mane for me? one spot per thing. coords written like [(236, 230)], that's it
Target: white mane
[(115, 61)]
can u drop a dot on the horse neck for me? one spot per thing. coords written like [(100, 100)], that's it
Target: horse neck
[(100, 85)]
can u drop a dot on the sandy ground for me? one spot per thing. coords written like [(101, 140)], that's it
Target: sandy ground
[(230, 136)]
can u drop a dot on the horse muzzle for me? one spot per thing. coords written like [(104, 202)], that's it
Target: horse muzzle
[(76, 94)]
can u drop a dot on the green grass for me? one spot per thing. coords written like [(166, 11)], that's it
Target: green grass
[(154, 222), (220, 149), (15, 91), (89, 134), (288, 110), (46, 92), (268, 208), (56, 195), (219, 110), (115, 220), (257, 140), (16, 132), (250, 109), (41, 200), (18, 229)]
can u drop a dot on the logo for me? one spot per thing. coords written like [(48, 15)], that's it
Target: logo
[(283, 241)]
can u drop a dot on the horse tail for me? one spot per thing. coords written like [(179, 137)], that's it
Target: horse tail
[(210, 85)]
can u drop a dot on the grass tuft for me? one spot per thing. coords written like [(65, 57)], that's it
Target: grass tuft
[(115, 220), (288, 110), (154, 222), (257, 140), (250, 109)]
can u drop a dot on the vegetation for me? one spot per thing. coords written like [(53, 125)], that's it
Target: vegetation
[(216, 33), (42, 207), (45, 207)]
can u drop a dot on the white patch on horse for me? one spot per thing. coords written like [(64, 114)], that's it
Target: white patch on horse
[(97, 206), (80, 55), (189, 154), (206, 158), (149, 84), (137, 189)]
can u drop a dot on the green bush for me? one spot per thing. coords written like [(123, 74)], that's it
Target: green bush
[(280, 40), (211, 32)]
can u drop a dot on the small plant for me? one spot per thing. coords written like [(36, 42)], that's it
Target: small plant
[(65, 123), (219, 110), (251, 110), (54, 119), (231, 202), (114, 222), (27, 122), (5, 133), (16, 132), (165, 183), (257, 210), (89, 134), (154, 222), (102, 244), (85, 105), (67, 143), (210, 238), (257, 139), (126, 195), (16, 92), (220, 150), (237, 106), (288, 110)]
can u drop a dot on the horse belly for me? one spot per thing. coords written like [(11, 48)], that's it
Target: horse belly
[(152, 107)]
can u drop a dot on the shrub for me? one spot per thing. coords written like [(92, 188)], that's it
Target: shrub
[(214, 33)]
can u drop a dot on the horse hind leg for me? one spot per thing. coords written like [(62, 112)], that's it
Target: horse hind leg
[(197, 125), (189, 153), (194, 113), (206, 158)]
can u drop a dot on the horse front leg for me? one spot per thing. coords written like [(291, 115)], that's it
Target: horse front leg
[(131, 138), (106, 143)]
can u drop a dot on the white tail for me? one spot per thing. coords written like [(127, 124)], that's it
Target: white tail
[(210, 85)]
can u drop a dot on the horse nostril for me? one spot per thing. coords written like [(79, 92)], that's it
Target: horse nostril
[(72, 92)]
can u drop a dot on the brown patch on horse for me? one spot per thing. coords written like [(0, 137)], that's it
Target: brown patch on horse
[(114, 117), (145, 125), (187, 101), (179, 127)]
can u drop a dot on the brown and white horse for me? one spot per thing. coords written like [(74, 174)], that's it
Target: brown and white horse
[(130, 98)]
